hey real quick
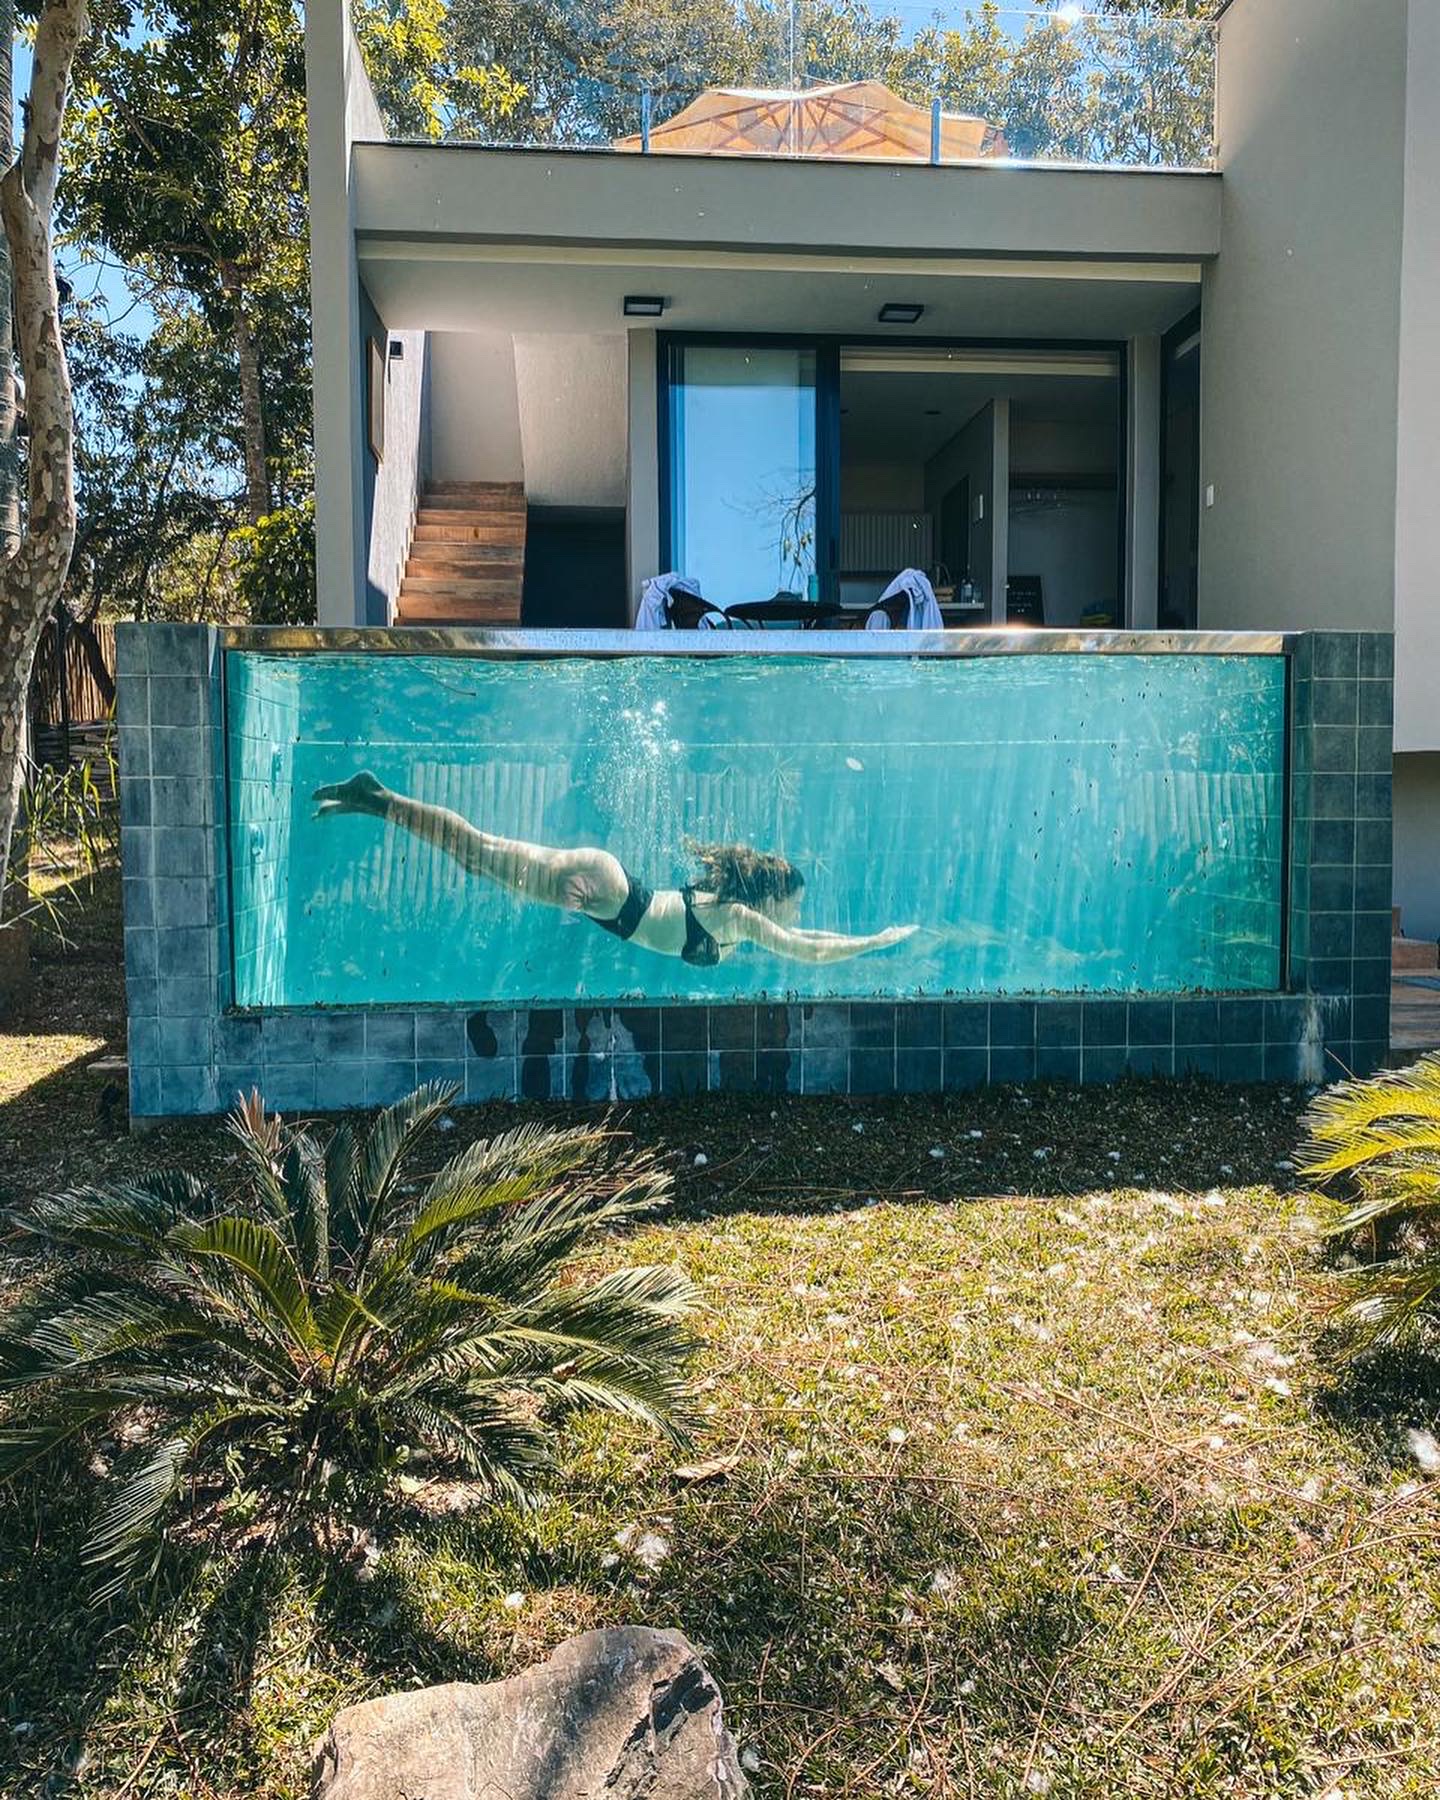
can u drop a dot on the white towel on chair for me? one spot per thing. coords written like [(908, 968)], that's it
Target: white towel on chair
[(924, 612), (655, 597)]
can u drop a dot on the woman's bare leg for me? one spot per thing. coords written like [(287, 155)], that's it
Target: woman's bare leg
[(588, 881)]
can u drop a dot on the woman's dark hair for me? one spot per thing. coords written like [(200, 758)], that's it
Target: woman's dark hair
[(751, 877)]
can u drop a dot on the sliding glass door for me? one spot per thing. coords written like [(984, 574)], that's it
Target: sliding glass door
[(751, 478)]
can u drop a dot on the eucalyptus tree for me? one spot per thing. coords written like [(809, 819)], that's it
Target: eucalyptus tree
[(33, 572)]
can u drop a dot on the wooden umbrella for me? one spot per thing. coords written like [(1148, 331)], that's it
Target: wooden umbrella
[(848, 119)]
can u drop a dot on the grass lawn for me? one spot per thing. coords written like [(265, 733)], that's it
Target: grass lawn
[(1028, 1479)]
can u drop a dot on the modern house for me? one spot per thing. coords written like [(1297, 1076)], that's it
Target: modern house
[(1144, 396), (1159, 377)]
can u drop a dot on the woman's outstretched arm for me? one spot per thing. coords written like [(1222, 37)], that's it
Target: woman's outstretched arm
[(813, 946)]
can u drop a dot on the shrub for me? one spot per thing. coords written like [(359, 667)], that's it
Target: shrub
[(280, 1356), (1381, 1139), (275, 576)]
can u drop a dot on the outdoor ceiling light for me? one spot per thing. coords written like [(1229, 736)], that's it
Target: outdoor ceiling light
[(900, 312), (643, 306)]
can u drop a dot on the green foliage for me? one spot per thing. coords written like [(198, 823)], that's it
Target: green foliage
[(1381, 1139), (185, 160), (1125, 84), (275, 578), (412, 60), (67, 830), (279, 1357)]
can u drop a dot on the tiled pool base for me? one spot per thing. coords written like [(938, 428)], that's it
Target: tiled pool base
[(629, 1053), (189, 1053)]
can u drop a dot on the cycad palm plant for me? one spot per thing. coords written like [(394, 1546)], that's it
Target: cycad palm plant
[(1381, 1138), (299, 1343)]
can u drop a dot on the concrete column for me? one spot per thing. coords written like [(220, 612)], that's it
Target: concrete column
[(642, 479), (340, 108), (1142, 483)]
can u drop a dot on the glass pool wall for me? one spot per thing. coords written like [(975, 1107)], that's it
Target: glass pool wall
[(1124, 856), (1056, 823)]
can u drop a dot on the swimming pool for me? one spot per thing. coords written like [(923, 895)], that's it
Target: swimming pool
[(1050, 823)]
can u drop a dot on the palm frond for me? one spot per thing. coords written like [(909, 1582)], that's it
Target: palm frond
[(304, 1180), (1385, 1304), (126, 1220), (127, 1523), (390, 1139), (1381, 1138), (257, 1256)]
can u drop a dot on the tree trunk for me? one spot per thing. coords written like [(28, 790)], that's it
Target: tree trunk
[(31, 579), (9, 437), (257, 471)]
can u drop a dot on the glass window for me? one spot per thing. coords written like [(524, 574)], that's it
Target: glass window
[(743, 474)]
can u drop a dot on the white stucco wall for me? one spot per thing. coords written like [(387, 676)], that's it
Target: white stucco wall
[(474, 415), (571, 394), (1417, 529), (400, 473), (1302, 317), (341, 110), (1417, 843)]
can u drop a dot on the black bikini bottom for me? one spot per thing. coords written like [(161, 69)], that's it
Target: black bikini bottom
[(637, 904)]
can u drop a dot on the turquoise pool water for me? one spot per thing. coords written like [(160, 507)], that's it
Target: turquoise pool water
[(1051, 823)]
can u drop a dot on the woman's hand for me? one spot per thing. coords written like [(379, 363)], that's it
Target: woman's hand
[(893, 934), (362, 793)]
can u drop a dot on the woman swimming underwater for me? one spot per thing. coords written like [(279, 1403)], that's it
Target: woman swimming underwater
[(742, 896)]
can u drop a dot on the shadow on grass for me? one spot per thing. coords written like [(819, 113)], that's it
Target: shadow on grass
[(797, 1587), (1378, 1399)]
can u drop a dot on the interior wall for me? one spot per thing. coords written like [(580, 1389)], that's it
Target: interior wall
[(570, 391), (882, 487), (1071, 549), (1056, 446), (1417, 843), (1302, 315), (474, 407), (980, 451), (1417, 542)]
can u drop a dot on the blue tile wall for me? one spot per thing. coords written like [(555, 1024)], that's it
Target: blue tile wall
[(188, 1054)]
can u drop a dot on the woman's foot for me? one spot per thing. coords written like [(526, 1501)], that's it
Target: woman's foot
[(362, 793)]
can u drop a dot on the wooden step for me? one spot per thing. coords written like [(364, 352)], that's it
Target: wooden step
[(476, 586), (1414, 953), (468, 531), (498, 490), (465, 555), (472, 503), (425, 615), (443, 569)]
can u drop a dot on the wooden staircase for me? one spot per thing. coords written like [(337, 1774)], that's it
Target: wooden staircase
[(467, 558), (1411, 955)]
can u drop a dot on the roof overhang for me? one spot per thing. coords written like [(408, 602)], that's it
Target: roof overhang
[(748, 202), (461, 238)]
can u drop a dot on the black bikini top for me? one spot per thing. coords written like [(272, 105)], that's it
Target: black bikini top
[(701, 949)]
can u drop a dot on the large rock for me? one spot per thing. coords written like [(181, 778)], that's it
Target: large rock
[(629, 1714)]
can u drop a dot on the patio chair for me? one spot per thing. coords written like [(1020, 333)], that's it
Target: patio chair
[(692, 612), (908, 604), (674, 602)]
